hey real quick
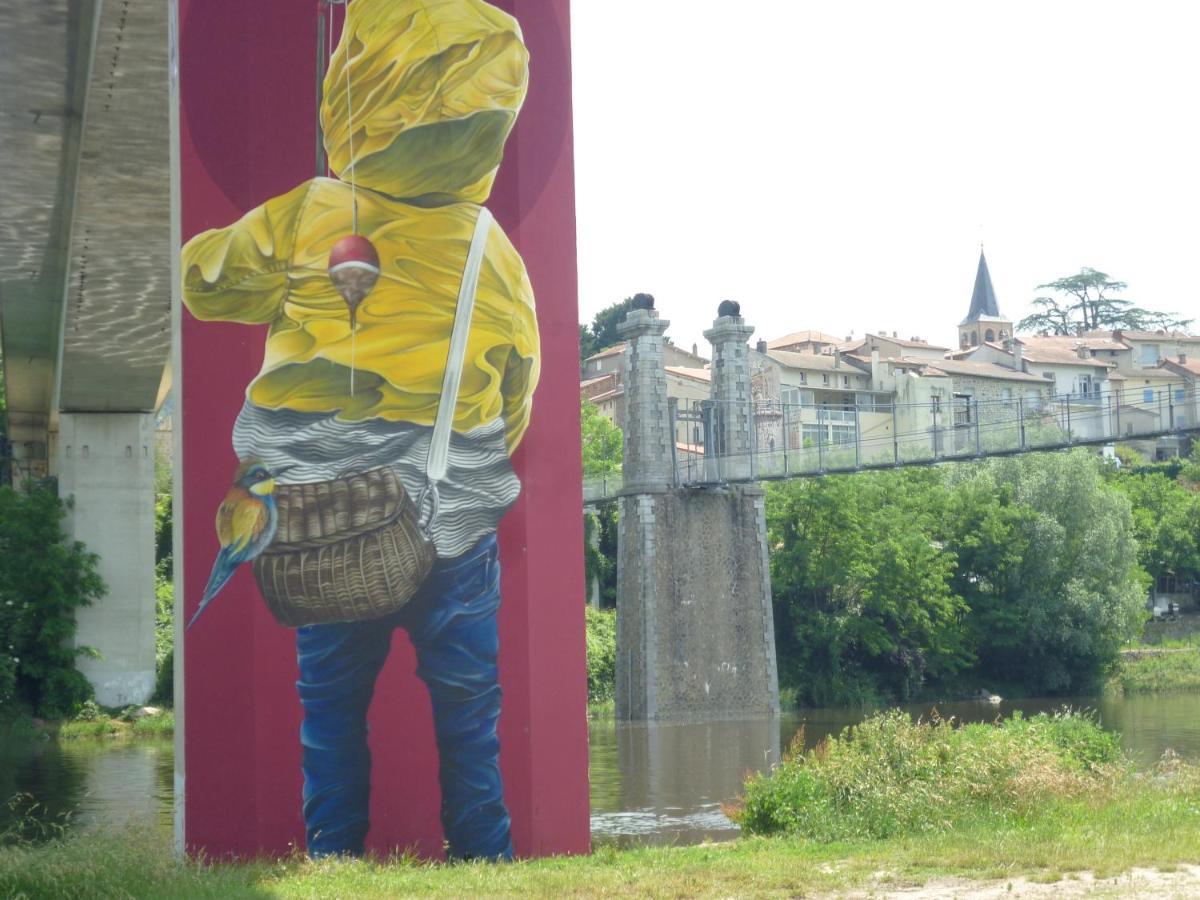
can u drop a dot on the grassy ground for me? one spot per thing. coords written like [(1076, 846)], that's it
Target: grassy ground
[(1141, 829)]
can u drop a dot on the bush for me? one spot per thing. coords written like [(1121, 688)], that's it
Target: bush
[(164, 633), (164, 680), (891, 776), (44, 578), (601, 653)]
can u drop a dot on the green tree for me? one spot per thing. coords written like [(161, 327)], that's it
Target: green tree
[(5, 475), (1047, 565), (1017, 573), (603, 332), (862, 599), (1086, 302), (1166, 521), (44, 579), (601, 442), (602, 448), (164, 584), (601, 654)]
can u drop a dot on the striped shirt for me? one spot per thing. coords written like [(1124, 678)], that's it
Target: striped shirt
[(479, 487)]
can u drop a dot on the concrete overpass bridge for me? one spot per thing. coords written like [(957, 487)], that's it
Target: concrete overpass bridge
[(85, 291)]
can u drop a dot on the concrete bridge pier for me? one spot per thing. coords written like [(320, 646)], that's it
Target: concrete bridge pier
[(695, 633), (105, 462)]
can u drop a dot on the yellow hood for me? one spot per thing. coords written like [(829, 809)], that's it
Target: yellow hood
[(271, 266), (434, 88)]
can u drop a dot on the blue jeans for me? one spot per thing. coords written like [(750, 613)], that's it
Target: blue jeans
[(452, 624)]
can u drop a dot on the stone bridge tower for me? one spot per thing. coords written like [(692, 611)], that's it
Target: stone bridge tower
[(696, 637)]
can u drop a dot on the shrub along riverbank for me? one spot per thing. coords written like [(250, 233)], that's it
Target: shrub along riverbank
[(1149, 671), (887, 805), (159, 724)]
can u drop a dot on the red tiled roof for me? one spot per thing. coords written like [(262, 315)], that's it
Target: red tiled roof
[(800, 337), (704, 375), (608, 351), (976, 369)]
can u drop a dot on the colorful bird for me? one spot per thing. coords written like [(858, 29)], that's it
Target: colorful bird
[(246, 522)]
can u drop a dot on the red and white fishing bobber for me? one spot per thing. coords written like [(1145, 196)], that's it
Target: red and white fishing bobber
[(353, 269)]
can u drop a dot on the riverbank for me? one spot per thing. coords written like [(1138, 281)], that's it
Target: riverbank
[(1063, 846), (97, 723), (1162, 669), (159, 724), (894, 805)]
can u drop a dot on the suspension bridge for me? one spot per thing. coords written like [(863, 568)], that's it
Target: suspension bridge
[(789, 440)]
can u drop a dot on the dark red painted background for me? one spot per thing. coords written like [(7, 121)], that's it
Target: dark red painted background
[(247, 133)]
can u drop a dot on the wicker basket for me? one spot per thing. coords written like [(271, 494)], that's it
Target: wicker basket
[(344, 551)]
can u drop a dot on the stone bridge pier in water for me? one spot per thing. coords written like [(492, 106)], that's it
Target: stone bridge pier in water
[(695, 633)]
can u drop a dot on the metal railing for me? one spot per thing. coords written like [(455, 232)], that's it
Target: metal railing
[(783, 440)]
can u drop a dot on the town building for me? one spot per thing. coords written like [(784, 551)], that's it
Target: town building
[(896, 397)]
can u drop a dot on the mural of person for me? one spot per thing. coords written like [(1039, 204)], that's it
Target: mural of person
[(417, 104)]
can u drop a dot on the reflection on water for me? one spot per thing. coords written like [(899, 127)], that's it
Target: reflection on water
[(666, 783), (649, 783), (87, 783)]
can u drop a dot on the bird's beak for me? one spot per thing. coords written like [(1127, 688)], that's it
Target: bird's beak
[(277, 472)]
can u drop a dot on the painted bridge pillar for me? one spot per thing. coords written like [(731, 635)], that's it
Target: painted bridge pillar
[(695, 634)]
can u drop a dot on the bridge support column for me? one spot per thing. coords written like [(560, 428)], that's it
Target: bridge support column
[(730, 392), (106, 463), (695, 633), (648, 438)]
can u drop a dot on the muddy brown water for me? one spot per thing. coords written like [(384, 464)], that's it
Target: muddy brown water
[(650, 783)]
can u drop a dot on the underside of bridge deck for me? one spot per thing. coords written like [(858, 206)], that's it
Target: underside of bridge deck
[(85, 299)]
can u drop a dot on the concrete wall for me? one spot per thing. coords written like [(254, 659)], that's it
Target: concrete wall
[(695, 634), (106, 464)]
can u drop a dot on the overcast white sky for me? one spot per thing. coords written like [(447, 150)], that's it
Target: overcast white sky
[(835, 165)]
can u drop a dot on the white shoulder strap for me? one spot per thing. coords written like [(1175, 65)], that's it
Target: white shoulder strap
[(439, 444)]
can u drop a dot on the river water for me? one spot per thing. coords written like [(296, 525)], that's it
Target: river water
[(649, 783)]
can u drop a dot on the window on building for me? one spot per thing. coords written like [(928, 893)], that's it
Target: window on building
[(812, 435), (803, 378), (962, 409), (842, 434), (790, 396), (824, 379), (989, 335), (1147, 395), (1006, 395), (1149, 354), (845, 381), (974, 338), (1179, 395)]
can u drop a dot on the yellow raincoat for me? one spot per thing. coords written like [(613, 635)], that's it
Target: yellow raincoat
[(434, 91)]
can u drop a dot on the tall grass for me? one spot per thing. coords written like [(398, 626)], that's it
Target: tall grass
[(1176, 669), (105, 726), (891, 776)]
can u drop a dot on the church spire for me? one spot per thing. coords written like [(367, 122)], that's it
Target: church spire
[(983, 298)]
